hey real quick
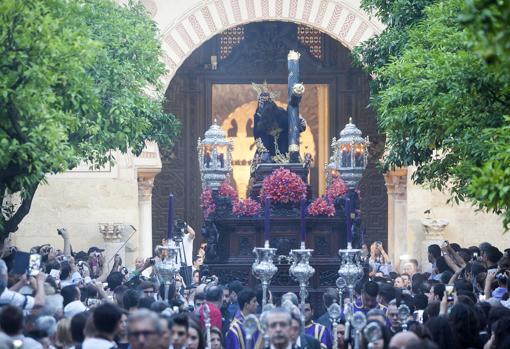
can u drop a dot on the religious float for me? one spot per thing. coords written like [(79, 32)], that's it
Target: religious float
[(281, 235)]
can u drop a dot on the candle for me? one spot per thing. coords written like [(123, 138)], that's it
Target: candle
[(170, 216), (302, 220), (267, 215), (348, 221)]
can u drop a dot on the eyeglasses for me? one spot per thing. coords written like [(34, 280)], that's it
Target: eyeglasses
[(137, 334)]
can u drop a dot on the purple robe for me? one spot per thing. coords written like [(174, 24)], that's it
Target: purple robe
[(319, 332), (236, 338)]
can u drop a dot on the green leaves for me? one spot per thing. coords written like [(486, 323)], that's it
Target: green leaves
[(74, 77), (440, 103)]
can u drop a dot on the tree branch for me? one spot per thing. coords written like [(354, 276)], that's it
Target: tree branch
[(12, 224), (14, 116)]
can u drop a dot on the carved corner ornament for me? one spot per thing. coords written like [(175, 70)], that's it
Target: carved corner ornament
[(293, 55), (396, 182), (111, 231)]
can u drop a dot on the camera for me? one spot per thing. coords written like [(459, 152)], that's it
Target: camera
[(501, 277), (180, 230), (124, 270), (152, 261)]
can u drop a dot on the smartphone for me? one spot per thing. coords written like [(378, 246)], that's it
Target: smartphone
[(449, 293), (55, 273), (34, 264)]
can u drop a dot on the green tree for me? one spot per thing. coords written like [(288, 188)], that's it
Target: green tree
[(442, 107), (487, 22), (74, 84)]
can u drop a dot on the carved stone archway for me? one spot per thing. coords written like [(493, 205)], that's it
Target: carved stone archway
[(343, 20)]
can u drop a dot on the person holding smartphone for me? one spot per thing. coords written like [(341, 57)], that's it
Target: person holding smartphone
[(26, 303), (379, 259)]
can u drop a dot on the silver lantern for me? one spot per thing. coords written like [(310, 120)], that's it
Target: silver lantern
[(351, 154), (214, 157)]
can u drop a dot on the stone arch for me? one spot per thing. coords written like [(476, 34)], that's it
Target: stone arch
[(343, 20)]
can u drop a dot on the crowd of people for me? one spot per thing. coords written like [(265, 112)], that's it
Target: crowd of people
[(73, 300)]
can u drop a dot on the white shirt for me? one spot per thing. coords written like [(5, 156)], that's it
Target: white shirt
[(26, 303), (98, 343), (186, 250), (28, 343)]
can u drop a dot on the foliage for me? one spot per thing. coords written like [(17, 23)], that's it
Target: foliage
[(283, 186), (487, 22), (441, 106), (321, 207), (73, 86), (246, 208), (398, 16)]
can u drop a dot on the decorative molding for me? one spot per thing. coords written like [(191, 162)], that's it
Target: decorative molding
[(226, 14), (145, 186), (396, 183), (111, 231)]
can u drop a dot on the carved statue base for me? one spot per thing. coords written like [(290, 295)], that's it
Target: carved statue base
[(237, 237)]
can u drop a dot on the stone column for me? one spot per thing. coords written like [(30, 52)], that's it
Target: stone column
[(396, 184), (148, 165), (145, 185), (112, 241)]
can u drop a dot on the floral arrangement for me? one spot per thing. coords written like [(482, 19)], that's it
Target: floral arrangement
[(246, 208), (207, 202), (336, 190), (321, 207), (227, 191), (283, 186)]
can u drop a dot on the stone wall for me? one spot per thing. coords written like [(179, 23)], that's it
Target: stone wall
[(466, 226), (79, 200)]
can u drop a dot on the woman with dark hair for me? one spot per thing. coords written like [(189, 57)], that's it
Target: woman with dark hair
[(464, 323), (195, 338), (216, 338), (440, 332)]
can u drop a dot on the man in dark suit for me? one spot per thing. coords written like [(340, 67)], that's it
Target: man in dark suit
[(298, 338)]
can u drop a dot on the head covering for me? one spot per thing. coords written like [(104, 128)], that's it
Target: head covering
[(94, 249), (74, 308)]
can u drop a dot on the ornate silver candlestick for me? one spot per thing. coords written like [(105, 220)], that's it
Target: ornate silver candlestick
[(301, 271), (263, 268), (350, 268), (335, 311), (166, 266)]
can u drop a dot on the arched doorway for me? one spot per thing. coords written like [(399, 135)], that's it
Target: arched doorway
[(258, 55)]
